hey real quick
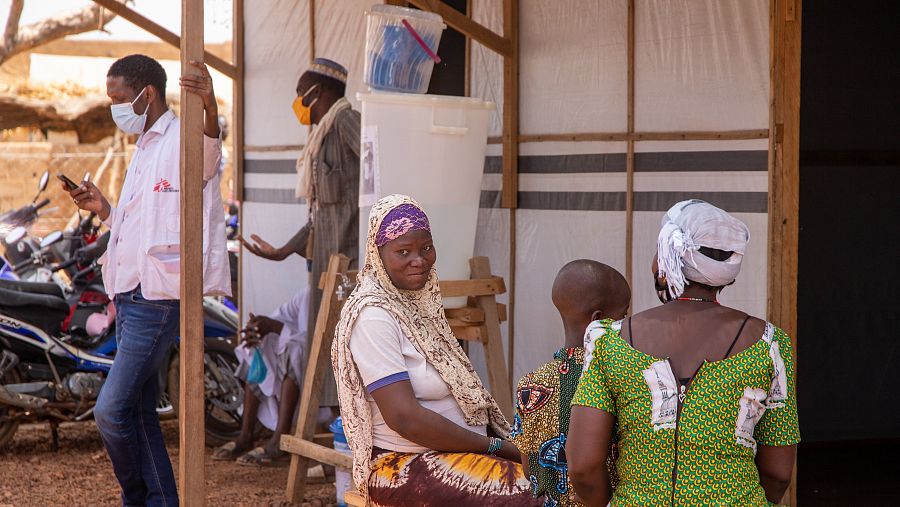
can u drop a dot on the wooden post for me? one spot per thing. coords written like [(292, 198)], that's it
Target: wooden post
[(784, 174), (511, 324), (312, 30), (191, 402), (237, 90), (467, 91), (510, 189), (480, 268), (629, 157), (467, 85), (319, 354), (237, 131)]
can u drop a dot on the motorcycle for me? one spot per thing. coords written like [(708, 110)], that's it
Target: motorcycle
[(23, 257), (17, 246), (53, 362)]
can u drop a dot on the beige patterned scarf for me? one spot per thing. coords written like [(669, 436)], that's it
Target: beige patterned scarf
[(421, 317)]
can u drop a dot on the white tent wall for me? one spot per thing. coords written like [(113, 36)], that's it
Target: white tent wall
[(700, 65), (486, 66), (276, 52), (572, 62)]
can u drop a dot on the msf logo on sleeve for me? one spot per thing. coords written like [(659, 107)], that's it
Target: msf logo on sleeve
[(163, 185)]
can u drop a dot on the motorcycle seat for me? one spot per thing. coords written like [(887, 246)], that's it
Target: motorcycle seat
[(41, 307), (48, 289)]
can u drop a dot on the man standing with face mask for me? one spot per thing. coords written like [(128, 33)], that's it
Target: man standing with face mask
[(142, 266), (328, 179)]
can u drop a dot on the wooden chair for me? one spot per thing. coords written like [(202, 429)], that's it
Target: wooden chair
[(478, 321), (354, 499)]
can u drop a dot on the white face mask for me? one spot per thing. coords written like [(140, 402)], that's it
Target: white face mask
[(126, 119)]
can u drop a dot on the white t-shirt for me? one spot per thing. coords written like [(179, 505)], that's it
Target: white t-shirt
[(384, 355)]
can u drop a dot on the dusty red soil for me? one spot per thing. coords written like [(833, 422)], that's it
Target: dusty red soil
[(80, 473)]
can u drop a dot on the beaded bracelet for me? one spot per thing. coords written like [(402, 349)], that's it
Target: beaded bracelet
[(494, 446)]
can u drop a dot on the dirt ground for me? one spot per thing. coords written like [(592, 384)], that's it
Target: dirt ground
[(80, 473)]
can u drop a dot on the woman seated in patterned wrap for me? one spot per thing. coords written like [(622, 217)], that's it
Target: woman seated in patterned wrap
[(702, 394), (421, 425)]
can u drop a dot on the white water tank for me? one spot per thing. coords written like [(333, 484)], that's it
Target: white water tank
[(431, 148)]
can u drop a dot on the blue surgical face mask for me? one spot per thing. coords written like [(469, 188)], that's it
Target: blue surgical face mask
[(126, 119)]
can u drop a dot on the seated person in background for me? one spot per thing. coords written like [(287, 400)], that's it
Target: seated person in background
[(422, 427), (700, 396), (584, 291), (281, 338)]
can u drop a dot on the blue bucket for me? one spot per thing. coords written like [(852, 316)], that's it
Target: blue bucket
[(342, 479), (337, 428)]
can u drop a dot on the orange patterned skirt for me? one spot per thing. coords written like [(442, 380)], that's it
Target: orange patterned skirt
[(447, 479)]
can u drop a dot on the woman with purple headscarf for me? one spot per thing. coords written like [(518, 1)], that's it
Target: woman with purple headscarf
[(421, 425)]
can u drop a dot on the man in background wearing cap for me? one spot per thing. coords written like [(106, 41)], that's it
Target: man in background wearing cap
[(328, 179)]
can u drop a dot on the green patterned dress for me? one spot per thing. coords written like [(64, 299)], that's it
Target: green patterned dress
[(693, 446)]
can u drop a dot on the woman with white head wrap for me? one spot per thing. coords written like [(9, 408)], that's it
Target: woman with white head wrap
[(701, 395), (690, 227)]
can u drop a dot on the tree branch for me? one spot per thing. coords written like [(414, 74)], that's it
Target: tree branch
[(53, 28), (12, 22)]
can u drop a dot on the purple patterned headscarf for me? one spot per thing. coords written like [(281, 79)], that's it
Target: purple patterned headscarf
[(400, 220)]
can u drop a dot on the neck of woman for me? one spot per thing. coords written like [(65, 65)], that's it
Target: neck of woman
[(699, 292)]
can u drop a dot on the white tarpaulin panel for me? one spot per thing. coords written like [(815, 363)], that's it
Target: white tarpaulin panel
[(701, 65), (268, 284), (572, 66), (276, 50), (486, 66)]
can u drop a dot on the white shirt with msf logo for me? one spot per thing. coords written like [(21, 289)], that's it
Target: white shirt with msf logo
[(145, 225)]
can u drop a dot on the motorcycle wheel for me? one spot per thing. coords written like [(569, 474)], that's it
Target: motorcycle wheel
[(8, 427), (224, 394)]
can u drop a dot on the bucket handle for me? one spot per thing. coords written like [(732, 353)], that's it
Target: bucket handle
[(450, 131), (412, 31), (446, 129)]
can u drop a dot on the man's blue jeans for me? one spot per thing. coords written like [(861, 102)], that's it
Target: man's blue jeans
[(126, 409)]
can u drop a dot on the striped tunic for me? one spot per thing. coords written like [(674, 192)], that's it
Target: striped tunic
[(336, 216)]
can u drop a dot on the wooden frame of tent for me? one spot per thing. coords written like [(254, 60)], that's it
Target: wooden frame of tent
[(783, 202)]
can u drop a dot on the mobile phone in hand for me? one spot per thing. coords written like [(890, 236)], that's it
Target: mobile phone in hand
[(70, 185)]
